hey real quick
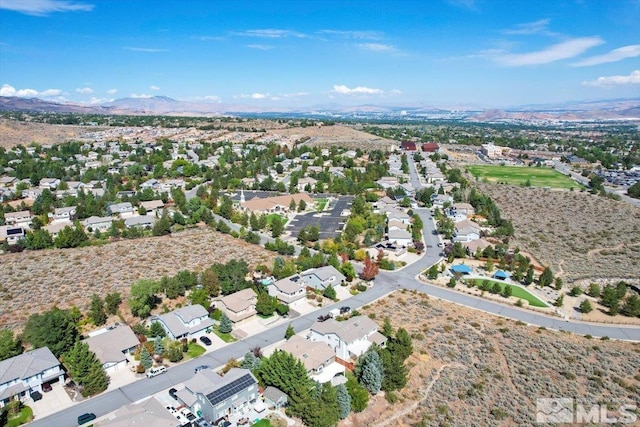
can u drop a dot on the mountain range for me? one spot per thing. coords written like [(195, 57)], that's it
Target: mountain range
[(617, 109)]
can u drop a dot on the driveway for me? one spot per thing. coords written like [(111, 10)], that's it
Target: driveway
[(51, 402)]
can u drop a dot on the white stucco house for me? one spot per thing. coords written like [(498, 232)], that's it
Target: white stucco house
[(186, 322), (349, 339)]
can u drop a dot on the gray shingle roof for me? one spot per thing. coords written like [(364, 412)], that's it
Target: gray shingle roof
[(27, 365), (350, 330)]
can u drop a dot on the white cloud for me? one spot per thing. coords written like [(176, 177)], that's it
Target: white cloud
[(152, 87), (144, 49), (259, 95), (260, 46), (44, 7), (360, 90), (615, 55), (84, 90), (270, 33), (378, 47), (356, 35), (142, 95), (213, 98), (95, 101), (294, 94), (564, 50), (8, 90), (112, 91), (631, 79), (536, 27)]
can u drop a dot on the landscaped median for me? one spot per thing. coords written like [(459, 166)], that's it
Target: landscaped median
[(516, 291)]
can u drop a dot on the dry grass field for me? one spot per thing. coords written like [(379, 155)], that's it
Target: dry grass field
[(338, 136), (473, 369), (581, 236), (14, 133), (32, 282)]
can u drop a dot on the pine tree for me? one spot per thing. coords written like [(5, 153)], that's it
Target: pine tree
[(395, 373), (156, 330), (359, 395), (97, 312), (145, 358), (528, 279), (225, 325), (264, 304), (158, 347), (585, 306), (631, 306), (546, 278), (370, 371), (250, 361), (290, 332), (329, 292), (401, 345), (344, 401), (85, 369), (387, 328)]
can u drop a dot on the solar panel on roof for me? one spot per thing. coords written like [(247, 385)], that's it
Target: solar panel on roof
[(224, 392)]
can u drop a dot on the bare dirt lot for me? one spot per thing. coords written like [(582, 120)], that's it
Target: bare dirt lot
[(14, 133), (580, 235), (32, 282), (338, 136), (469, 368)]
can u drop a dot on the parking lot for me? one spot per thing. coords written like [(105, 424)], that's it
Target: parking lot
[(330, 221)]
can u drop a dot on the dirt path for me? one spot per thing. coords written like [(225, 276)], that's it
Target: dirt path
[(592, 252), (424, 394)]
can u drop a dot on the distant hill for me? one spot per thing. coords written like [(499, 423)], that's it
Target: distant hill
[(12, 103)]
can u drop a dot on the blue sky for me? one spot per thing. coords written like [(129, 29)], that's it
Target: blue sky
[(308, 52)]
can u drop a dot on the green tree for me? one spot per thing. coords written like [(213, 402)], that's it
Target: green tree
[(348, 270), (85, 369), (225, 325), (329, 292), (359, 395), (585, 306), (265, 304), (559, 283), (200, 296), (634, 190), (395, 374), (302, 206), (559, 301), (55, 329), (250, 361), (289, 332), (39, 239), (344, 401), (496, 288), (70, 237), (546, 278), (210, 282), (369, 371), (611, 300), (143, 297), (145, 358), (528, 278), (174, 352), (9, 347), (277, 226), (387, 328), (285, 372), (158, 347), (576, 291), (401, 345), (112, 301), (507, 291), (631, 306), (162, 226), (156, 330), (432, 273), (97, 313), (594, 290)]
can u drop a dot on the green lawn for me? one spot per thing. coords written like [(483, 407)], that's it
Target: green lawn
[(320, 204), (518, 175), (26, 414), (262, 423), (271, 216), (225, 337), (516, 291), (195, 350)]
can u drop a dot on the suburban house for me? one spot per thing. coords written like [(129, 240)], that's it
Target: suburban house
[(288, 290), (274, 397), (321, 278), (440, 200), (50, 183), (399, 237), (23, 375), (349, 339), (98, 223), (185, 322), (18, 218), (303, 182), (213, 397), (317, 357), (397, 215), (11, 233), (153, 207), (464, 208), (124, 208), (466, 231), (111, 345), (142, 221), (275, 204), (240, 306), (63, 214), (56, 227), (149, 412)]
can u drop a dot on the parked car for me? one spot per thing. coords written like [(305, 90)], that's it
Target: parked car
[(205, 340), (85, 418), (156, 371), (344, 309), (46, 387), (323, 318), (202, 367)]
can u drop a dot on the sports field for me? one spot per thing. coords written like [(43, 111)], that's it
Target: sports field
[(519, 175)]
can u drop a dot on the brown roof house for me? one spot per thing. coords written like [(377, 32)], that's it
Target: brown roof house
[(186, 322), (288, 290), (111, 345), (240, 306), (275, 204)]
